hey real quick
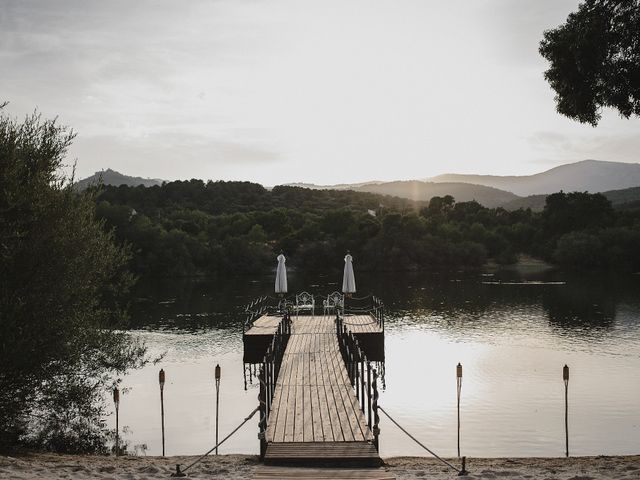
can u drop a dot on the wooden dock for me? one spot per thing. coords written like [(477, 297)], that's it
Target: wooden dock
[(292, 473), (366, 328), (316, 412), (314, 400)]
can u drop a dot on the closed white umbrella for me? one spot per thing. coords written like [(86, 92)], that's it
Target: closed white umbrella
[(281, 275), (348, 279)]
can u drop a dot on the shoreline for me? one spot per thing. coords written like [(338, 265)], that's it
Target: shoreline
[(236, 466)]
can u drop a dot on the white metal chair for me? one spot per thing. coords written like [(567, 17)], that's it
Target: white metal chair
[(334, 303), (305, 301)]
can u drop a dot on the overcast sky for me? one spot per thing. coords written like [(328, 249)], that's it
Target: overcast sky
[(293, 90)]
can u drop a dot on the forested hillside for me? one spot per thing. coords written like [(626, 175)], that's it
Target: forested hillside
[(192, 227)]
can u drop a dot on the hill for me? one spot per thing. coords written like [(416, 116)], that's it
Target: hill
[(588, 175), (620, 199), (424, 191), (111, 177)]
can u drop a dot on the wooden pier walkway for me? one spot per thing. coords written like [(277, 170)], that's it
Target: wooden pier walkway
[(268, 324), (314, 400), (315, 415)]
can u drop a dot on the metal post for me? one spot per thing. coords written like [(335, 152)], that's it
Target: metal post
[(376, 417), (463, 471), (217, 375), (362, 399), (161, 381), (262, 422), (459, 387), (369, 394), (116, 401), (565, 377)]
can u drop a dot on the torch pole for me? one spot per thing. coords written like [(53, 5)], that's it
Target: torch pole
[(565, 377), (217, 374), (116, 401), (459, 388), (161, 379)]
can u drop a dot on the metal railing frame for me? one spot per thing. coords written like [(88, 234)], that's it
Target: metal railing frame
[(363, 378), (268, 376)]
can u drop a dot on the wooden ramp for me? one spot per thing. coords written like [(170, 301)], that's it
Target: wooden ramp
[(315, 416), (289, 473)]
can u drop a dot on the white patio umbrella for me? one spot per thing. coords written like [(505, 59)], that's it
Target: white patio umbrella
[(348, 279), (281, 275)]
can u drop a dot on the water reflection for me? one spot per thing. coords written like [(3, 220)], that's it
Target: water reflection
[(512, 331)]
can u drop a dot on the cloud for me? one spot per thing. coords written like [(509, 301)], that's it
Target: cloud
[(180, 156), (327, 92), (556, 148)]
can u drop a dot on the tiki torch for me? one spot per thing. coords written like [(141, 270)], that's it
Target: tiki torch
[(217, 375), (116, 401), (161, 380)]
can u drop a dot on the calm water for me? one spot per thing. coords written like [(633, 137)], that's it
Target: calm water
[(512, 330)]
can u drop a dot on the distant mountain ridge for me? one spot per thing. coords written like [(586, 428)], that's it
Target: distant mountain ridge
[(424, 191), (624, 198), (588, 175), (111, 177), (620, 182)]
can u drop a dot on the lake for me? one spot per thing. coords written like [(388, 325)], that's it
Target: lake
[(512, 330)]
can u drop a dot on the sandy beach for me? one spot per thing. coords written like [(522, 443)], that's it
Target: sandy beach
[(82, 467)]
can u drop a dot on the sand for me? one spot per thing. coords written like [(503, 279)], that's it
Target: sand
[(82, 467)]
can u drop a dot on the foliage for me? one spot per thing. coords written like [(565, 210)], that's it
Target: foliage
[(595, 60), (62, 279), (187, 228)]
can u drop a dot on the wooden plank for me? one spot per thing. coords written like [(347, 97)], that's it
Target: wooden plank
[(316, 409), (291, 403), (265, 325), (307, 382), (348, 400), (338, 386), (298, 431), (326, 454), (332, 412), (341, 417), (314, 401), (325, 417), (286, 473)]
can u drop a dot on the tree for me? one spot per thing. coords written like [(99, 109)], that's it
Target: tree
[(62, 280), (595, 60), (567, 212)]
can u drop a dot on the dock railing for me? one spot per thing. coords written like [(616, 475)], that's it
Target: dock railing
[(269, 375), (378, 312), (253, 311), (373, 307), (265, 305), (364, 378)]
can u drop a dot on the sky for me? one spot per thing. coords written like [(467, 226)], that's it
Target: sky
[(283, 91)]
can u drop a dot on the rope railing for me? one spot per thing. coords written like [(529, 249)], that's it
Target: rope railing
[(265, 305), (268, 304), (181, 473), (461, 471), (375, 309)]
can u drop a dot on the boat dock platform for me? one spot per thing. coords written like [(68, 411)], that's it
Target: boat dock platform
[(318, 387)]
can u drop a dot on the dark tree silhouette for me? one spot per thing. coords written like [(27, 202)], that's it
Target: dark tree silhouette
[(595, 60), (62, 298)]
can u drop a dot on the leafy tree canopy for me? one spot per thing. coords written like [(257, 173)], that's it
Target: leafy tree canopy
[(595, 60), (61, 286)]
